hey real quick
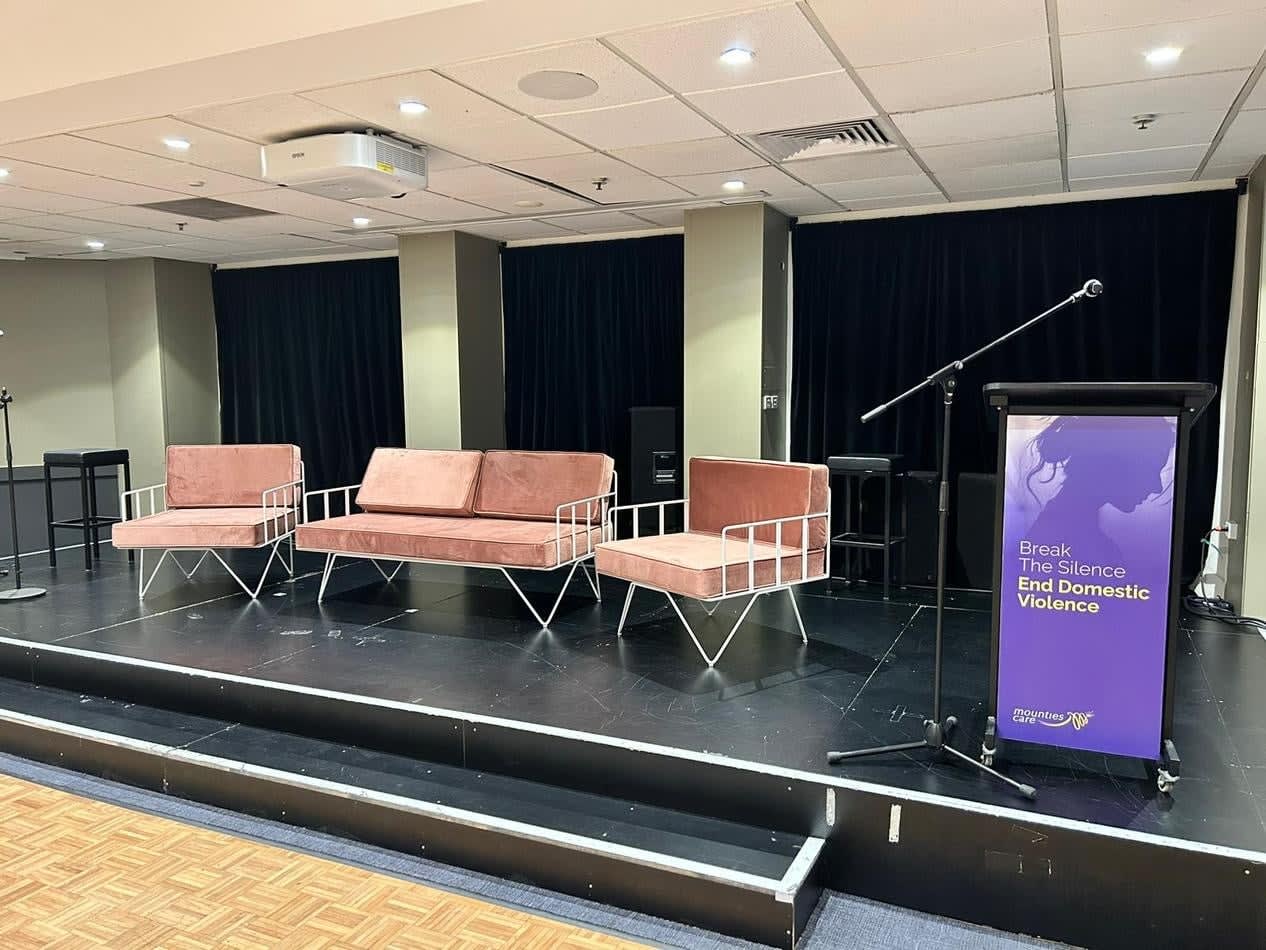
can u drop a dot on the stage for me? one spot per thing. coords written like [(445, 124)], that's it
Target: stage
[(458, 646)]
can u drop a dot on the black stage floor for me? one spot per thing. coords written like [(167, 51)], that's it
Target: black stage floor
[(460, 640)]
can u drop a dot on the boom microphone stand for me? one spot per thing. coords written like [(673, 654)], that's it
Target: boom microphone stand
[(19, 592), (937, 730)]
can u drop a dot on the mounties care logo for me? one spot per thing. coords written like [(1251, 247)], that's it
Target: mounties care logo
[(1055, 720)]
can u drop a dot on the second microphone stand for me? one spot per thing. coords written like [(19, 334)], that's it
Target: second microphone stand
[(938, 729)]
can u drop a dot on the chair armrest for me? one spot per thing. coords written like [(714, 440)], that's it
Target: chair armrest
[(281, 500), (604, 502), (149, 491), (325, 494), (637, 514), (749, 527)]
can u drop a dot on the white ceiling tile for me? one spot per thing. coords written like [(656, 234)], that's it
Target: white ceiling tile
[(504, 141), (664, 217), (1014, 191), (1208, 45), (1140, 160), (428, 206), (1245, 140), (1257, 97), (896, 186), (1084, 16), (449, 105), (909, 201), (437, 159), (313, 207), (515, 230), (1021, 148), (767, 179), (887, 163), (66, 222), (371, 242), (646, 123), (1170, 129), (690, 158), (602, 222), (806, 205), (626, 188), (997, 72), (272, 118), (1128, 181), (588, 165), (687, 55), (1001, 176), (208, 148), (1005, 118), (790, 103), (9, 231), (1237, 170), (27, 201), (476, 181), (1209, 92), (898, 31), (533, 199), (618, 82)]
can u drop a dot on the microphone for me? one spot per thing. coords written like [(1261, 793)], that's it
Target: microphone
[(1093, 288)]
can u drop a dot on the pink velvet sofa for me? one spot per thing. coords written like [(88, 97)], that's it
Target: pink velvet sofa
[(535, 511), (751, 528), (216, 497)]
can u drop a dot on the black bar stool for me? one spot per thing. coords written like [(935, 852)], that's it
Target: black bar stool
[(856, 470), (89, 522)]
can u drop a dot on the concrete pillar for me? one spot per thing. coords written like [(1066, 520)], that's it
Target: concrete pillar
[(735, 400), (162, 360), (452, 347)]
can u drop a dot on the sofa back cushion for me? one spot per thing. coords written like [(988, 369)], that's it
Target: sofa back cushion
[(734, 491), (420, 482), (531, 485), (227, 476)]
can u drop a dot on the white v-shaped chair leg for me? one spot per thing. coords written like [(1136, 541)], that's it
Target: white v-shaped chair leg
[(325, 575), (593, 581), (544, 622), (385, 576), (711, 660), (142, 585), (795, 609), (624, 614), (253, 594)]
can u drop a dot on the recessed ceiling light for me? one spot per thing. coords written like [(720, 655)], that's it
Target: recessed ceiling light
[(1163, 55), (527, 204), (361, 222), (734, 184), (737, 56), (4, 173), (412, 107), (95, 245), (177, 144)]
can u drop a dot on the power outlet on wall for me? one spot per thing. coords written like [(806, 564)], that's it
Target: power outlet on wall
[(1232, 531)]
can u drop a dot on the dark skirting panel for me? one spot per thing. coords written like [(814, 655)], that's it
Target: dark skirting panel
[(591, 330), (310, 354), (881, 303)]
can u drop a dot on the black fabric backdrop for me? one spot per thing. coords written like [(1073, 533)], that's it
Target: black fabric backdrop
[(880, 304), (591, 330), (310, 354)]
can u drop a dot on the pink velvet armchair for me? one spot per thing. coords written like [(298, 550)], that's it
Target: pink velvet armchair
[(752, 528), (216, 497)]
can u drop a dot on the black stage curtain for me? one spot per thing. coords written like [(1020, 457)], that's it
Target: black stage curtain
[(591, 330), (310, 354), (879, 304)]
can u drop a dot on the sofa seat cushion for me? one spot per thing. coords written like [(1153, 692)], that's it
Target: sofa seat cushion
[(201, 528), (531, 485), (690, 564), (496, 541), (420, 482), (226, 476)]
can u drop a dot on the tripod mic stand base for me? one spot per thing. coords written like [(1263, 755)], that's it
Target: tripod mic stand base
[(935, 736), (22, 593)]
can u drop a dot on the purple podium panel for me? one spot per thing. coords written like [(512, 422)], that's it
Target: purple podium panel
[(1087, 529)]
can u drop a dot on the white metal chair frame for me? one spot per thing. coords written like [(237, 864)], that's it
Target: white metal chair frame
[(593, 505), (282, 508), (751, 590)]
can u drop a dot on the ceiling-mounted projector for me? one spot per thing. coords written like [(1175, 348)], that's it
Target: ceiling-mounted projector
[(345, 165)]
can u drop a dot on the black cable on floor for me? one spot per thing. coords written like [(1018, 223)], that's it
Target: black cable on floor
[(1219, 609)]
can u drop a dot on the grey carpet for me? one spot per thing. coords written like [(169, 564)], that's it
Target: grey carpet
[(840, 920)]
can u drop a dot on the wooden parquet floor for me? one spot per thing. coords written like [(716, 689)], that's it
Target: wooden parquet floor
[(79, 873)]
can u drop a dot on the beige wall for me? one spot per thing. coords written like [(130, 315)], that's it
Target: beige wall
[(186, 329), (55, 356)]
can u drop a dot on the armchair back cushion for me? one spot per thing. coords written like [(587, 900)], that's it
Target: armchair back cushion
[(420, 482), (734, 491), (531, 485), (227, 476)]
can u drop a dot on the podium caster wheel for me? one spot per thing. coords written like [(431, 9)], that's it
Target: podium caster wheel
[(986, 757), (1165, 783)]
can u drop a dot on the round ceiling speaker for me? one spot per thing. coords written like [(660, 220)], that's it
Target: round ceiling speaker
[(557, 84)]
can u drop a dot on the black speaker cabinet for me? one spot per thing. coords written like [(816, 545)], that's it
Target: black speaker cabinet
[(920, 547), (654, 456), (974, 534)]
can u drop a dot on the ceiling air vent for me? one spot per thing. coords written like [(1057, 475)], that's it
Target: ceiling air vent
[(819, 141), (207, 209)]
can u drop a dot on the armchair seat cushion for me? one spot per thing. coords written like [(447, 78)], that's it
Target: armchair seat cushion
[(201, 528), (502, 542), (690, 564)]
